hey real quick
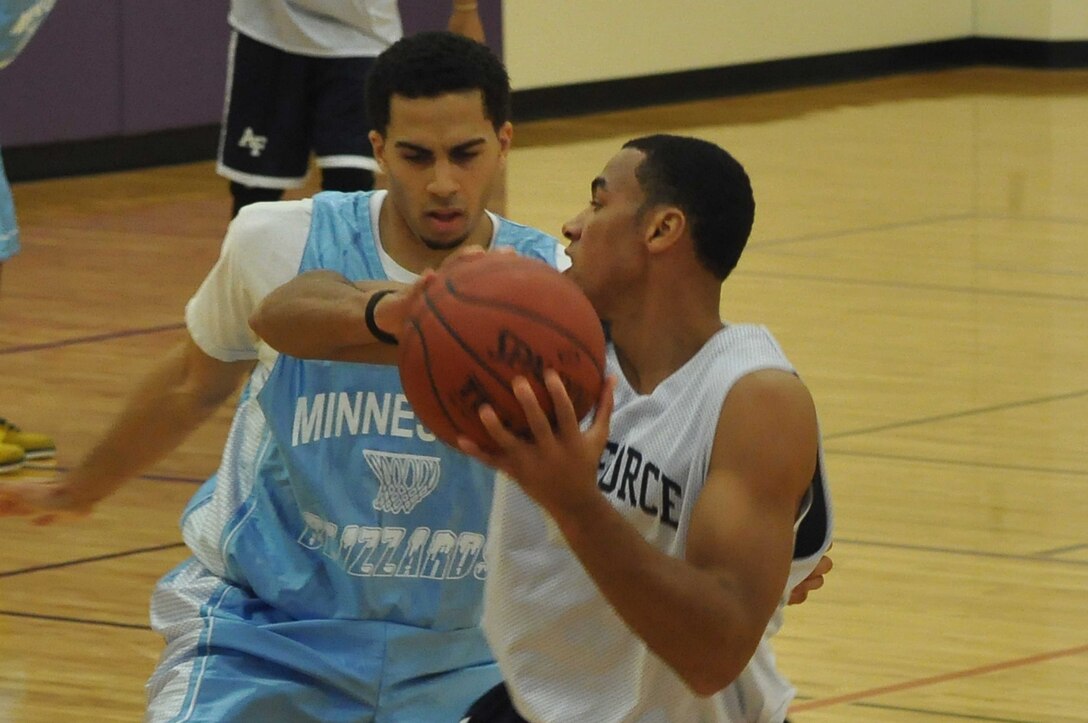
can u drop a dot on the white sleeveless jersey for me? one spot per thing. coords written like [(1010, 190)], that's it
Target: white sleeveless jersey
[(565, 654)]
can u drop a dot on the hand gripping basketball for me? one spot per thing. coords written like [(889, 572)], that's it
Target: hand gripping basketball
[(481, 322)]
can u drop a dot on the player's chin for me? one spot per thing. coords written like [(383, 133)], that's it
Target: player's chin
[(437, 243)]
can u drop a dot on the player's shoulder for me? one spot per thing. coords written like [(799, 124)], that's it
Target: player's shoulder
[(267, 224), (257, 217), (528, 241)]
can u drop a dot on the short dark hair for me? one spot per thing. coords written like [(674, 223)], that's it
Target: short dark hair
[(708, 185), (427, 65)]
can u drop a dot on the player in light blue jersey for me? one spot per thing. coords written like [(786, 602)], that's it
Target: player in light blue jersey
[(338, 552)]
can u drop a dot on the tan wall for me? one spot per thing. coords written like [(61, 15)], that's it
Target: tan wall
[(1033, 19), (560, 42)]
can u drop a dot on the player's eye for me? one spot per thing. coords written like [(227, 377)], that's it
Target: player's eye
[(463, 156)]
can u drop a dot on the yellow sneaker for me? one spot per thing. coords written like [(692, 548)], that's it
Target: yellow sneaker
[(34, 445), (11, 457)]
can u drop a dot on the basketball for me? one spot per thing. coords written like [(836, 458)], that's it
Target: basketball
[(486, 320)]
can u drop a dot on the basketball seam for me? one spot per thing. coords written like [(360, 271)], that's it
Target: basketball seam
[(527, 313), (480, 361), (430, 377)]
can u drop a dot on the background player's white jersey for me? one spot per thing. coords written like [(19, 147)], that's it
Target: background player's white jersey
[(565, 654), (321, 28)]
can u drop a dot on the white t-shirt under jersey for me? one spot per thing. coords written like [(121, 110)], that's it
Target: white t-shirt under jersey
[(262, 250)]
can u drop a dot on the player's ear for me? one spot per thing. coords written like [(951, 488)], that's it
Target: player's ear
[(666, 227), (506, 137), (377, 143)]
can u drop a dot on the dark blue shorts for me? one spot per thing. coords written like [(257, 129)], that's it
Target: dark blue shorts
[(280, 107)]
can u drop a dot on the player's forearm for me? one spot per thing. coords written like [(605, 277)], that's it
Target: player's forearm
[(321, 315), (695, 621), (163, 410)]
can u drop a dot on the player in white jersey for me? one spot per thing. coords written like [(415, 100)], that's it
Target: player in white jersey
[(338, 552), (642, 563), (296, 83), (708, 497)]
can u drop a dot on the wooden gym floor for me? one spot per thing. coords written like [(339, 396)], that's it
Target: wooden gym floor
[(921, 250)]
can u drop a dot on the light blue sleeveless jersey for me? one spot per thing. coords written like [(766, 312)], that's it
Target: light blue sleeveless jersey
[(347, 526), (19, 20), (9, 229)]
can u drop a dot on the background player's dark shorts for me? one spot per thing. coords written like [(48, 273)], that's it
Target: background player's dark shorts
[(280, 106), (494, 706)]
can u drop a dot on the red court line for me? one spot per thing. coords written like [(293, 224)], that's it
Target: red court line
[(945, 677)]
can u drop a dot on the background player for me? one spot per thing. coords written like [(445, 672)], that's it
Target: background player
[(297, 83)]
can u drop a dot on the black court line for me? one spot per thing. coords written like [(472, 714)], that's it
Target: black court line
[(878, 228), (95, 558), (66, 619), (827, 235), (1033, 219), (957, 462), (90, 339), (944, 714), (1063, 550), (958, 415), (962, 553), (915, 286)]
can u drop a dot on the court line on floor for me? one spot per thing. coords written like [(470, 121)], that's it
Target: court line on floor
[(958, 415), (917, 286), (817, 703), (1063, 550), (830, 451), (109, 336), (1033, 557), (964, 216), (93, 558), (66, 619), (945, 714), (828, 235)]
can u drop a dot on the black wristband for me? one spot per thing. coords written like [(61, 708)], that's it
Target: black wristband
[(382, 336)]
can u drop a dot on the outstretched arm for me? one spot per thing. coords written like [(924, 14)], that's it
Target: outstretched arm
[(179, 394), (322, 315)]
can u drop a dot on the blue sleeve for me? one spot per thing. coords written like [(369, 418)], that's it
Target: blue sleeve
[(19, 20)]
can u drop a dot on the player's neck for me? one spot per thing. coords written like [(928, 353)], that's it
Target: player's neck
[(411, 252), (658, 336)]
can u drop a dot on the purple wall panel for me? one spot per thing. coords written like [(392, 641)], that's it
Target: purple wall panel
[(63, 86), (173, 63), (109, 68), (431, 15)]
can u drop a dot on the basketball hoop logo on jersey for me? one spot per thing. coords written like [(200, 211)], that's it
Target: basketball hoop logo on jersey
[(253, 142), (404, 480)]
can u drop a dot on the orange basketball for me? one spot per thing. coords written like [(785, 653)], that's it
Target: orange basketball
[(485, 320)]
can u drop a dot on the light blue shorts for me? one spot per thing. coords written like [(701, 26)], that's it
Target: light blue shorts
[(231, 657), (9, 231)]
